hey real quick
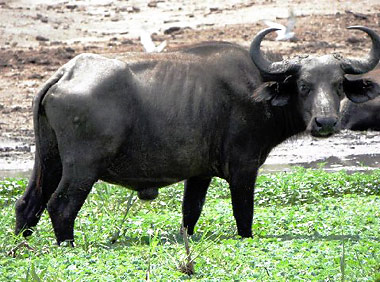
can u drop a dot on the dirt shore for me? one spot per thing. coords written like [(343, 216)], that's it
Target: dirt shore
[(36, 37)]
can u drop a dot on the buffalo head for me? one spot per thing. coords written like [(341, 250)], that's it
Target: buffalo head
[(316, 85)]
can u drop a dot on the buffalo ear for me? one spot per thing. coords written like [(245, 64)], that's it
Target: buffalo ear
[(271, 91), (361, 90)]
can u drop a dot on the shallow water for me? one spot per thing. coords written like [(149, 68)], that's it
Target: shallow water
[(348, 150)]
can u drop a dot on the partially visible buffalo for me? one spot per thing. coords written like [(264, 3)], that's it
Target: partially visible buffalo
[(215, 109), (366, 115)]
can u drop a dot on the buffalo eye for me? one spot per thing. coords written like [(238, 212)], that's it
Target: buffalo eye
[(339, 88), (304, 87)]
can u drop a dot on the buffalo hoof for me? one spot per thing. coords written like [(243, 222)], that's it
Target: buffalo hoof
[(148, 194), (27, 232), (247, 234), (189, 230), (66, 243)]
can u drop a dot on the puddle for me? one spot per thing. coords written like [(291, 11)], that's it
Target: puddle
[(15, 173), (16, 158), (351, 163), (348, 150)]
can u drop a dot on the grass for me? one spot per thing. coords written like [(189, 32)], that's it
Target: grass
[(308, 225)]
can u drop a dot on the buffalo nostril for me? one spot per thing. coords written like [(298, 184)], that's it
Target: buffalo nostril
[(317, 122), (326, 122), (324, 126)]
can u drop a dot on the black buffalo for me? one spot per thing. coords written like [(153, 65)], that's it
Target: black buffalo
[(366, 115), (215, 109)]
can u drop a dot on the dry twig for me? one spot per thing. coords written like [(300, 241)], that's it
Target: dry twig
[(13, 252), (186, 267)]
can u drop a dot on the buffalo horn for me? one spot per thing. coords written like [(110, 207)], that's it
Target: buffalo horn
[(266, 67), (357, 66)]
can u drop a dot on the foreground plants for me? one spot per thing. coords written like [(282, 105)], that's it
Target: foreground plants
[(308, 224)]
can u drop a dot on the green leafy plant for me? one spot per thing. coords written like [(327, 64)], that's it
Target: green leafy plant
[(308, 225)]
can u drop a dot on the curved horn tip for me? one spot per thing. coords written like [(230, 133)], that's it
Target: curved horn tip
[(266, 67), (261, 34), (354, 26), (360, 27), (364, 65), (269, 29), (374, 36)]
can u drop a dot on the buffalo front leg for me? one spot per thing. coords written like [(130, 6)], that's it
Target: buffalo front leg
[(242, 197), (193, 200), (66, 202)]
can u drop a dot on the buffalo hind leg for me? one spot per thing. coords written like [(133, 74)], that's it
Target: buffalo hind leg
[(32, 203), (44, 180), (242, 197), (67, 200), (193, 200)]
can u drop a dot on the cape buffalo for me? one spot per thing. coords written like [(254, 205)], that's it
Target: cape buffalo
[(363, 116), (215, 109)]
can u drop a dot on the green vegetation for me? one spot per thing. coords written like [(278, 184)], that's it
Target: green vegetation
[(308, 225)]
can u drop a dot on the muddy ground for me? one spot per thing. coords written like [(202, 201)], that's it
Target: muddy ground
[(36, 37)]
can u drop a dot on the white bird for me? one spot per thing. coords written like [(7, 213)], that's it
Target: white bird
[(148, 44), (284, 32)]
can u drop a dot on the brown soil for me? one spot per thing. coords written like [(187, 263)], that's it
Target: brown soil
[(37, 37)]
